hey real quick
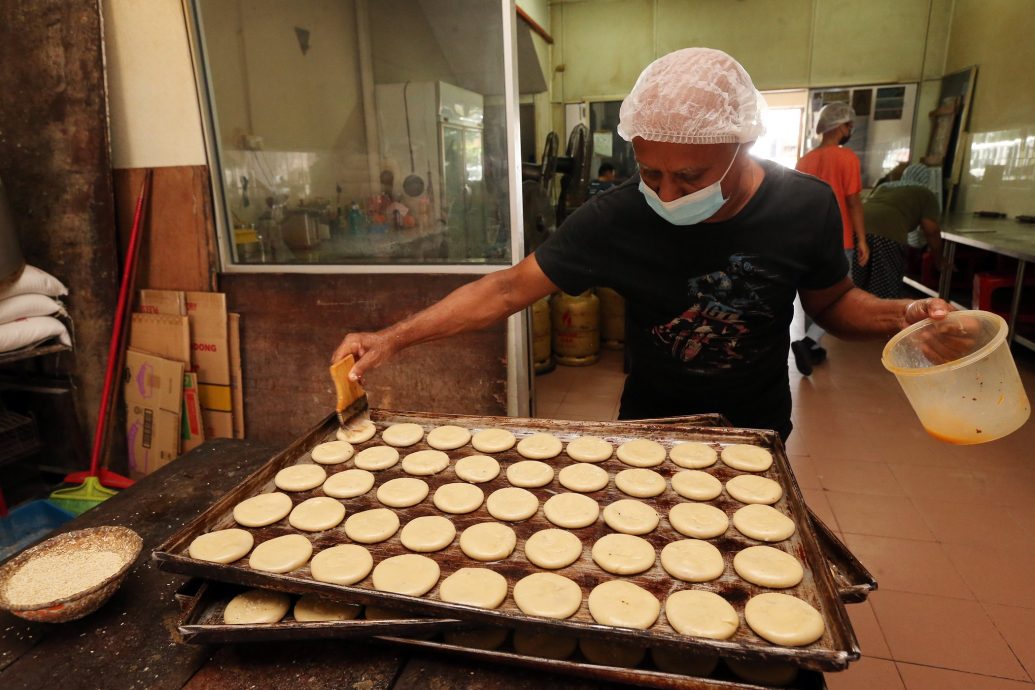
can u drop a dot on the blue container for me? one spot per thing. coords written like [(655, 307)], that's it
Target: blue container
[(29, 523)]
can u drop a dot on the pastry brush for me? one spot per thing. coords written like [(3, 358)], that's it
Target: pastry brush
[(352, 407)]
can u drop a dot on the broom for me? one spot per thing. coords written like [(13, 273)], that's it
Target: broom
[(93, 484)]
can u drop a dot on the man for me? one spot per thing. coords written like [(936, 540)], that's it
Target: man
[(605, 179), (838, 167), (892, 212), (707, 245)]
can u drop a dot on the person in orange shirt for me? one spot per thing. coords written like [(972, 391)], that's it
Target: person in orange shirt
[(840, 168)]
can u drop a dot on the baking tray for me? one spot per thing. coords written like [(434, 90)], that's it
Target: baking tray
[(832, 652), (203, 604)]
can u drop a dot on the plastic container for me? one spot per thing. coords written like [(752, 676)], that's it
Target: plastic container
[(960, 377), (29, 523)]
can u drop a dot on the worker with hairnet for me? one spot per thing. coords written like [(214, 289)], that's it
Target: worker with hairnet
[(708, 245), (838, 167)]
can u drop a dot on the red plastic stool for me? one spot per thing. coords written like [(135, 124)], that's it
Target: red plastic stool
[(984, 285)]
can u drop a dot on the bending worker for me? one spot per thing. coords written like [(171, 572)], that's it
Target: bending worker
[(708, 246)]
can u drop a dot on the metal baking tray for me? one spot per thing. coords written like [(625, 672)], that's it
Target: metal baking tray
[(203, 604), (832, 652)]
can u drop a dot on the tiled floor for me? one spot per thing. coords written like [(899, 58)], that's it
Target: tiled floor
[(949, 531)]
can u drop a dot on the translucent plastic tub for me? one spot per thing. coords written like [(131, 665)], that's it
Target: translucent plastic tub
[(960, 377)]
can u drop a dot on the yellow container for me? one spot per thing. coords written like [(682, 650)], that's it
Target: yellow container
[(542, 352), (612, 318), (576, 329)]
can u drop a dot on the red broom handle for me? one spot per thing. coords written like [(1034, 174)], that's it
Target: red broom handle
[(115, 347)]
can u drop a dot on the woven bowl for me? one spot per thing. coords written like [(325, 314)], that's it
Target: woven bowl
[(121, 540)]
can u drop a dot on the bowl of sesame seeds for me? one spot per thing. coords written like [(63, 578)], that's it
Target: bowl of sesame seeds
[(68, 576)]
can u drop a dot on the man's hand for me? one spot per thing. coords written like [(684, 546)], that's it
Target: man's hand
[(932, 307), (862, 252), (370, 350)]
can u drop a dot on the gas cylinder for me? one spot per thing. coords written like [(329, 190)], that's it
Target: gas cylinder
[(576, 329), (542, 353), (612, 318)]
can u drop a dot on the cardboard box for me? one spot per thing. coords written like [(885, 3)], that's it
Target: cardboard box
[(209, 334), (172, 302), (192, 427), (154, 397), (236, 382), (164, 335)]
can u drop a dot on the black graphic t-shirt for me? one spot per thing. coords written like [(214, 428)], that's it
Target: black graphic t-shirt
[(709, 305)]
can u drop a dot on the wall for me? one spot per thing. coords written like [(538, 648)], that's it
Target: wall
[(995, 35)]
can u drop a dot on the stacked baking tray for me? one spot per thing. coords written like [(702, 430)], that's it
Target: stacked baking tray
[(831, 573)]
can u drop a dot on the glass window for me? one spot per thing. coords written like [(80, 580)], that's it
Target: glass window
[(358, 132)]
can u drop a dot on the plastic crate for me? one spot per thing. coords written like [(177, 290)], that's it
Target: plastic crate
[(27, 524), (18, 436)]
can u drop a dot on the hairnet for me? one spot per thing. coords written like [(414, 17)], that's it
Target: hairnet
[(832, 115), (693, 96), (916, 175)]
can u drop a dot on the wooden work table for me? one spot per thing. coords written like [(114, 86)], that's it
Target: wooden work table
[(130, 641)]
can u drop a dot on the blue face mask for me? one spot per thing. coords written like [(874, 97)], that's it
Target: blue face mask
[(692, 208)]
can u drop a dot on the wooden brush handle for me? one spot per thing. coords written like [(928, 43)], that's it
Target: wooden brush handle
[(348, 391)]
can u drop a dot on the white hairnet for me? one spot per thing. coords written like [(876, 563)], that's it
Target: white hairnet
[(832, 115), (693, 96)]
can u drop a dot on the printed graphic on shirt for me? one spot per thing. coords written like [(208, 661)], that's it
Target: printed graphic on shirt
[(715, 331)]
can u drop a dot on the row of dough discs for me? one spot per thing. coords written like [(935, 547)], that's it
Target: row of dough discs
[(623, 553), (256, 607)]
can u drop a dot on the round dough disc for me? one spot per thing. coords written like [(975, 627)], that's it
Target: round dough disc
[(693, 455), (641, 452), (348, 483), (783, 619), (410, 574), (262, 510), (679, 661), (371, 526), (479, 587), (311, 608), (540, 446), (768, 567), (750, 488), (701, 614), (512, 504), (553, 548), (376, 458), (640, 483), (631, 517), (488, 541), (256, 606), (458, 498), (583, 477), (530, 474), (425, 462), (589, 449), (402, 492), (317, 514), (357, 432), (221, 546), (548, 595), (607, 653), (345, 564), (763, 523), (300, 477), (402, 435), (623, 604), (281, 554), (427, 534), (747, 458), (448, 437), (477, 469), (696, 485), (544, 645), (493, 441), (623, 554), (698, 520), (571, 511), (692, 560), (332, 452)]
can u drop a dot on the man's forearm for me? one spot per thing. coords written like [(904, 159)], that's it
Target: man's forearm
[(858, 315)]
